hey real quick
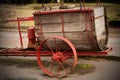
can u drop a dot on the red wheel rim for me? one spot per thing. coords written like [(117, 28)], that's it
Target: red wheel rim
[(59, 63)]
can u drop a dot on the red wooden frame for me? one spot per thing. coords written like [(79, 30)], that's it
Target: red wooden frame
[(18, 20), (21, 52), (63, 11)]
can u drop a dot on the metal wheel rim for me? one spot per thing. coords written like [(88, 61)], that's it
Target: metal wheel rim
[(41, 65)]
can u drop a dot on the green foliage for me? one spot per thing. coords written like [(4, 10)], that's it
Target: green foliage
[(86, 66), (82, 69)]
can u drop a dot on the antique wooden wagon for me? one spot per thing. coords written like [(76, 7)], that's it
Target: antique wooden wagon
[(62, 35)]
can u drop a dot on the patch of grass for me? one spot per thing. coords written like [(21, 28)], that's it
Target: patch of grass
[(86, 66), (82, 69)]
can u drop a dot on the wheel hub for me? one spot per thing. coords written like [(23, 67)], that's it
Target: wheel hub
[(58, 56)]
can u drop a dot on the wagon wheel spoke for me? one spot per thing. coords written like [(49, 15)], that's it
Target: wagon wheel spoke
[(51, 66), (64, 69), (58, 69), (68, 63), (66, 50), (59, 47), (56, 47), (46, 50), (49, 48)]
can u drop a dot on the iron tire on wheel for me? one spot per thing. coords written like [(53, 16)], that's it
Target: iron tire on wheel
[(63, 59)]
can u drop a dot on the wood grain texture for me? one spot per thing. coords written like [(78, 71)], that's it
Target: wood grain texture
[(83, 30)]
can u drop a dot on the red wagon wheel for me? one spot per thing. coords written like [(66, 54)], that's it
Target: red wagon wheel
[(62, 59)]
